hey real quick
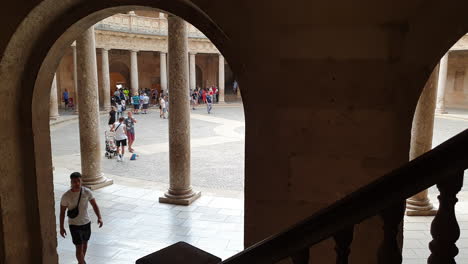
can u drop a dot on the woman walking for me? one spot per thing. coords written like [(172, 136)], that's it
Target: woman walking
[(111, 117)]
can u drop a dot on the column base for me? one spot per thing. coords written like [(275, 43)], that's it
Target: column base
[(179, 200), (54, 117), (99, 185), (420, 208), (441, 111)]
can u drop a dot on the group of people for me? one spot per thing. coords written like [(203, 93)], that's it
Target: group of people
[(124, 129), (206, 96)]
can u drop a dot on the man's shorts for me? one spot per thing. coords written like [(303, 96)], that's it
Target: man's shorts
[(164, 110), (145, 106), (80, 233), (130, 136), (136, 106), (122, 142)]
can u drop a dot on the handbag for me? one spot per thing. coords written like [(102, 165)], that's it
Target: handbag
[(73, 213)]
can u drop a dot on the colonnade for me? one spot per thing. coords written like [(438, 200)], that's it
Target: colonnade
[(180, 78)]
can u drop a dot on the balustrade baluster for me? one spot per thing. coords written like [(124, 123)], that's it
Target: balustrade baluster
[(301, 257), (390, 251), (444, 228), (343, 241)]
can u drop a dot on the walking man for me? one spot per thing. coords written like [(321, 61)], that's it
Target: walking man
[(146, 100), (65, 98), (130, 124), (120, 137), (76, 201)]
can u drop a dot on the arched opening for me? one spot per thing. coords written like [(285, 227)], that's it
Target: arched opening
[(42, 64), (440, 114), (119, 74)]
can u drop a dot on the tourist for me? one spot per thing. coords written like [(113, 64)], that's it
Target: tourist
[(235, 86), (146, 100), (119, 110), (130, 124), (215, 97), (136, 103), (125, 95), (112, 116), (120, 130), (124, 105), (76, 201), (141, 101), (204, 96), (209, 101), (65, 98), (162, 108)]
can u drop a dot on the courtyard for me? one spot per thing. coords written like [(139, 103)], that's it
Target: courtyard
[(136, 224)]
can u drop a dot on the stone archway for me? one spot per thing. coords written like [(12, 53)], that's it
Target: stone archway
[(42, 46), (119, 73)]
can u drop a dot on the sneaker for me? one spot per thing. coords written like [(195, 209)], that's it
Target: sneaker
[(119, 158), (122, 158)]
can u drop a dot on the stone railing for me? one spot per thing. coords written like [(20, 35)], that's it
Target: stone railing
[(129, 23)]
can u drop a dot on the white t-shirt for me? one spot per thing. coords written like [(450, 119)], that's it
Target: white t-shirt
[(119, 131), (145, 99), (70, 199), (162, 103)]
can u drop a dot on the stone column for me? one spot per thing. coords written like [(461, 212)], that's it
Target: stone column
[(106, 80), (90, 143), (134, 72), (193, 72), (53, 104), (75, 79), (221, 78), (442, 83), (163, 69), (180, 190), (421, 142)]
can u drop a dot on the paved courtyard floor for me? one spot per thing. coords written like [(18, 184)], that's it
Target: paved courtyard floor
[(135, 224)]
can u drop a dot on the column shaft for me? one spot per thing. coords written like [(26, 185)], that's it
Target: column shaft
[(442, 83), (221, 78), (53, 104), (106, 80), (163, 69), (180, 190), (193, 73), (90, 143), (134, 71), (421, 142), (75, 79)]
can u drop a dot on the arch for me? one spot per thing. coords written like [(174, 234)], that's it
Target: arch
[(29, 181), (119, 73)]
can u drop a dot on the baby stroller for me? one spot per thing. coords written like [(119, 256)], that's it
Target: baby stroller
[(111, 148)]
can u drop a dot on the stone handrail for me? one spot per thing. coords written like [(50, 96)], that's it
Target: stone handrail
[(130, 23)]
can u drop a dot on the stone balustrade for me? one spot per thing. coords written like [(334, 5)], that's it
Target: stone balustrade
[(130, 23)]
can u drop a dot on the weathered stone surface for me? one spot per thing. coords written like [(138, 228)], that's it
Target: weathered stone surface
[(106, 90), (134, 72), (179, 117), (421, 141), (54, 114), (90, 143)]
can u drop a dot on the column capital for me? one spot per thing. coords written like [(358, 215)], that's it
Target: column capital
[(132, 13), (134, 50), (193, 53), (105, 49)]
